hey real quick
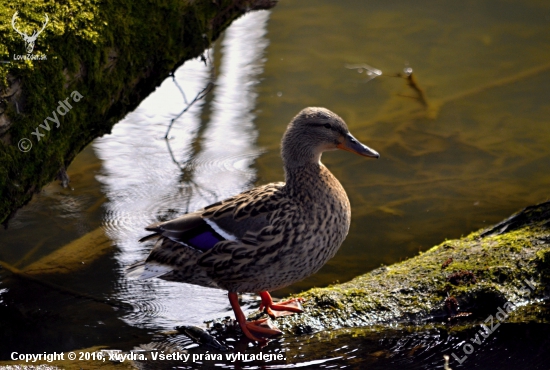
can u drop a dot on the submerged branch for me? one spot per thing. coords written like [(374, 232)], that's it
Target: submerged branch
[(433, 106), (531, 72)]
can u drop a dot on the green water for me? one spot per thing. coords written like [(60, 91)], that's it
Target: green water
[(479, 152), (476, 149)]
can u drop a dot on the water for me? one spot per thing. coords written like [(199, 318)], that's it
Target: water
[(476, 150)]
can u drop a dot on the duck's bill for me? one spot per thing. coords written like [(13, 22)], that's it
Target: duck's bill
[(353, 145)]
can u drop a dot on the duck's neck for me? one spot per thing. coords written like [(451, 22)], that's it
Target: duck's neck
[(304, 171), (307, 179)]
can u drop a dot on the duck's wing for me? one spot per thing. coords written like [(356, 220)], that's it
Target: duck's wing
[(247, 212), (183, 240), (229, 219), (232, 262)]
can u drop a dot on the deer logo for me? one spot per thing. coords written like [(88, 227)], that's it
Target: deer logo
[(29, 40)]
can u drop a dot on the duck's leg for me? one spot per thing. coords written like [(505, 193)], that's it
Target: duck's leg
[(261, 327), (285, 308)]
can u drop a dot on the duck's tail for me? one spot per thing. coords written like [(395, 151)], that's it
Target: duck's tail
[(149, 237), (147, 270)]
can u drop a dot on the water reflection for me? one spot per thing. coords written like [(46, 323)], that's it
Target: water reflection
[(147, 179)]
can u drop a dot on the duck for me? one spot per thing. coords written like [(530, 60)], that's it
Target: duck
[(268, 237)]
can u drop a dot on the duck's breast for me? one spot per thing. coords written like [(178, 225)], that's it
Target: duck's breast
[(305, 234)]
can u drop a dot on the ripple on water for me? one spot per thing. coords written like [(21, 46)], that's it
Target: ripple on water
[(156, 187), (238, 162), (149, 200), (368, 348), (165, 305), (148, 179), (144, 297)]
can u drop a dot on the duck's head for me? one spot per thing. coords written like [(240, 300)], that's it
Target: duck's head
[(314, 131)]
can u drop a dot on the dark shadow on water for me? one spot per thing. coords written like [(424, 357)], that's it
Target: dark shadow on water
[(511, 346), (36, 318)]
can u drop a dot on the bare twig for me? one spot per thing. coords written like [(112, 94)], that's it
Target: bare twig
[(199, 96), (187, 177), (413, 84), (180, 89)]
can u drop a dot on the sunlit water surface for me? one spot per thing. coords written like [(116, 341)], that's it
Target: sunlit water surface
[(475, 151)]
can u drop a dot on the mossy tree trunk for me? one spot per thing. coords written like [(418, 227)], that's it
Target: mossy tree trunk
[(105, 57), (504, 267)]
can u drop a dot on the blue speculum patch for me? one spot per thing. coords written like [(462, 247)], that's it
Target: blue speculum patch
[(205, 240)]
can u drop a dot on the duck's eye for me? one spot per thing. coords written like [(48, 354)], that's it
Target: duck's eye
[(327, 125)]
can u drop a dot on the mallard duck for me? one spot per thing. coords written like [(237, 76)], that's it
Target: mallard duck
[(268, 237)]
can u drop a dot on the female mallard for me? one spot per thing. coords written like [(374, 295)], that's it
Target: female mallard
[(268, 237)]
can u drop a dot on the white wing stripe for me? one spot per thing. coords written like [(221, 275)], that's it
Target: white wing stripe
[(219, 230)]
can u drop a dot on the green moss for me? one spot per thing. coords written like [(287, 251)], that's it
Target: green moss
[(416, 289), (113, 52)]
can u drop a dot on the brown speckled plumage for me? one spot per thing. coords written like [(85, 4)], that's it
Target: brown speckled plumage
[(306, 221), (280, 233)]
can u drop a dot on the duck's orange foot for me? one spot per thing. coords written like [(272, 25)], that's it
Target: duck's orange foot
[(262, 328), (285, 308)]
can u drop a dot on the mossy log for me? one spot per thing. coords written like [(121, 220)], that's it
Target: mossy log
[(100, 58), (504, 267)]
